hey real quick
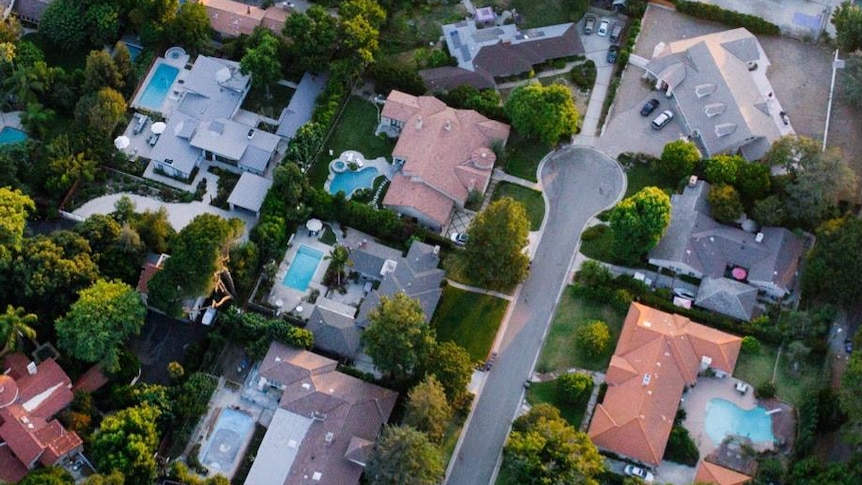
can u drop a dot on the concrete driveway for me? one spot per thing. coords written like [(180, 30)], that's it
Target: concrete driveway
[(578, 183)]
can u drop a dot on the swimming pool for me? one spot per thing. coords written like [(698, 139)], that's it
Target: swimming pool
[(229, 437), (348, 182), (158, 87), (9, 135), (725, 418), (302, 268)]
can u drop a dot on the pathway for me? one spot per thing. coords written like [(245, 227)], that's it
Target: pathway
[(474, 289)]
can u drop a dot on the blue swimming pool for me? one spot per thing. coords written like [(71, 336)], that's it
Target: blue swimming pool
[(9, 135), (348, 181), (158, 87), (229, 437), (725, 418), (302, 268)]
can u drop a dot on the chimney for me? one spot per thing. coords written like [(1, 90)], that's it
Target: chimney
[(692, 181), (759, 237), (447, 126), (31, 368), (418, 122)]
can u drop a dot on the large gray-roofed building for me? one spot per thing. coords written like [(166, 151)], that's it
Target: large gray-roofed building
[(172, 152), (221, 82), (249, 192), (298, 112), (369, 259), (278, 450), (334, 328), (249, 148), (722, 93)]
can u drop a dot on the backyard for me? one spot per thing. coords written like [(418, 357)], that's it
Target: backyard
[(532, 200), (540, 14), (419, 26), (468, 319), (257, 102), (559, 353), (640, 175), (757, 368)]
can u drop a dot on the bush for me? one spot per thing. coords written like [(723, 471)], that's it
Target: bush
[(594, 232), (750, 345), (573, 388), (584, 75), (765, 390), (755, 25), (681, 448), (593, 337)]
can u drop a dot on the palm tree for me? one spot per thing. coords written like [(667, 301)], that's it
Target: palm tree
[(339, 259), (14, 325)]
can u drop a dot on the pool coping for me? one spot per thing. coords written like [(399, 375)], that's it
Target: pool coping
[(178, 63), (384, 168), (320, 258), (243, 444), (291, 298)]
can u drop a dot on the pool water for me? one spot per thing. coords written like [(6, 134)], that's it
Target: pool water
[(348, 181), (725, 418), (302, 268), (231, 431), (158, 87), (10, 135)]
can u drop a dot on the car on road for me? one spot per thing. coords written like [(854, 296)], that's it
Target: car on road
[(603, 28), (649, 107), (459, 238), (684, 293), (848, 345), (613, 52), (589, 24), (636, 471), (662, 120)]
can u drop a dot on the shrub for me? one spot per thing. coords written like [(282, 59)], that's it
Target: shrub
[(728, 17), (593, 337), (750, 345), (765, 390), (574, 388), (681, 448), (584, 75), (594, 232)]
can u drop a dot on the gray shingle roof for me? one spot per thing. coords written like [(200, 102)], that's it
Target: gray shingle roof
[(368, 259), (230, 140), (728, 297), (249, 192), (334, 328), (31, 10), (298, 112), (171, 146), (449, 77)]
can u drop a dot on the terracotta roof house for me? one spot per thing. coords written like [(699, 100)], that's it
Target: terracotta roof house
[(731, 463), (718, 475), (325, 425), (153, 264), (445, 154), (722, 94), (232, 19), (502, 50), (30, 395), (30, 11), (730, 261), (657, 356)]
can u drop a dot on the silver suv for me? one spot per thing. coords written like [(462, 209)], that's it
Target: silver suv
[(662, 120), (589, 24)]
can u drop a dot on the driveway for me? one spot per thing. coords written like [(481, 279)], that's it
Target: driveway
[(578, 182)]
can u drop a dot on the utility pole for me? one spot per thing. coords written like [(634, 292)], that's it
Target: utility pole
[(836, 64)]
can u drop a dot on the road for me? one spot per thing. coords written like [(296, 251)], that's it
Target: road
[(579, 182)]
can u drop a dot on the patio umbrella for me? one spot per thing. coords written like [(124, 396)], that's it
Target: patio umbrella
[(158, 127), (314, 225), (122, 142)]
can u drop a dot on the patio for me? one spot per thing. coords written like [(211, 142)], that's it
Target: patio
[(343, 163), (291, 300)]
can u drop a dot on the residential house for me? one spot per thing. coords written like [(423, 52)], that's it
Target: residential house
[(729, 464), (334, 328), (30, 395), (710, 473), (301, 106), (721, 92), (325, 425), (657, 356), (734, 266), (153, 264), (230, 18), (445, 154), (249, 192), (30, 11), (499, 51)]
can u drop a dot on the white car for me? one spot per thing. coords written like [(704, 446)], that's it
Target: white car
[(636, 471), (662, 120), (684, 293), (459, 238), (603, 28)]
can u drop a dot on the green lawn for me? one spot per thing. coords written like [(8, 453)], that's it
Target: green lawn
[(68, 60), (546, 392), (560, 352), (450, 437), (468, 319), (419, 26), (532, 200), (791, 386), (640, 175), (597, 243), (523, 156), (355, 131), (540, 14), (257, 102)]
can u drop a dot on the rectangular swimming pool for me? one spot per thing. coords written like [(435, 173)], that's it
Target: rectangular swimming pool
[(302, 268), (160, 83), (9, 135)]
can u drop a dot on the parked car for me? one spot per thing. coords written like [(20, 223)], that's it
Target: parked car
[(603, 28), (613, 52), (684, 293), (649, 107), (459, 238), (616, 32), (662, 120), (589, 24), (636, 471), (848, 345)]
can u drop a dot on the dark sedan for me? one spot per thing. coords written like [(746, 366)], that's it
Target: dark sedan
[(649, 107), (613, 52)]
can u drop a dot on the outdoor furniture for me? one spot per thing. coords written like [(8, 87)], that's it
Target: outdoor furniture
[(141, 124), (741, 387)]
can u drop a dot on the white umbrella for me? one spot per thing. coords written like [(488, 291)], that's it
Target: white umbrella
[(122, 142), (314, 225), (158, 127)]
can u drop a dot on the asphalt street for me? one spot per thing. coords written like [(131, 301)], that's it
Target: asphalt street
[(578, 182)]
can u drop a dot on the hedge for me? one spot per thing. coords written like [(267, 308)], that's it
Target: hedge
[(755, 25)]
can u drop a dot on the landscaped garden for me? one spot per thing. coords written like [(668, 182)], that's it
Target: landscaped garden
[(532, 200), (469, 319), (257, 102)]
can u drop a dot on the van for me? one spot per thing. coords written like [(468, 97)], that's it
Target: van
[(616, 32)]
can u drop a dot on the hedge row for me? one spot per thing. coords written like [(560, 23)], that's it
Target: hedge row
[(755, 25)]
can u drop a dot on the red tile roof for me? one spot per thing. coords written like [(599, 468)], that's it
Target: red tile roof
[(11, 468), (147, 274), (716, 474), (90, 381)]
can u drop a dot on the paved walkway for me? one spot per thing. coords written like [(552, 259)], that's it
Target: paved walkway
[(475, 289)]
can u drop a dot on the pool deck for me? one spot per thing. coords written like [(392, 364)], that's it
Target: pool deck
[(383, 167), (11, 119), (291, 298), (170, 102)]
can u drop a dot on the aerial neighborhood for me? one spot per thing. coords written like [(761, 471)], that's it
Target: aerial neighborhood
[(387, 242)]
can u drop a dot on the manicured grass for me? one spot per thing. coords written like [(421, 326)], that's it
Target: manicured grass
[(791, 386), (468, 319), (419, 26), (641, 175), (532, 200), (68, 60), (355, 131), (561, 351), (597, 242), (523, 156), (540, 14), (257, 102), (546, 392)]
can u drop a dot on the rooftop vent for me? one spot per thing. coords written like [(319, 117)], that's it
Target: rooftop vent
[(418, 122), (31, 368), (306, 386), (646, 380), (706, 89), (329, 437), (759, 237), (436, 250), (714, 109), (318, 416), (692, 181), (316, 476), (724, 129), (291, 444), (447, 125)]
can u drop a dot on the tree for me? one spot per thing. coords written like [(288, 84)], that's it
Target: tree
[(770, 211), (404, 456), (752, 181), (52, 475), (360, 30), (68, 169), (725, 204), (493, 256), (155, 229), (102, 111), (14, 208), (261, 62), (451, 365), (114, 478), (10, 30), (117, 249), (678, 159), (723, 169), (16, 325), (100, 321), (848, 25), (314, 34), (594, 273), (38, 120), (593, 338), (125, 67), (543, 448), (835, 263), (850, 395), (339, 259), (574, 387), (64, 25), (398, 338), (191, 26), (101, 72), (797, 352), (545, 113), (639, 223), (103, 20), (126, 441), (427, 409)]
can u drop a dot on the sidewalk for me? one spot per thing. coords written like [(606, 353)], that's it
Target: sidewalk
[(475, 289)]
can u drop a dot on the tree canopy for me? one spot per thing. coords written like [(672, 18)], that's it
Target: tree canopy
[(493, 256), (14, 209), (428, 410), (545, 113), (639, 222), (313, 34), (725, 204), (723, 169), (404, 455), (15, 325), (398, 339), (678, 159), (451, 365), (848, 25), (835, 263), (261, 61), (127, 441), (64, 25)]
